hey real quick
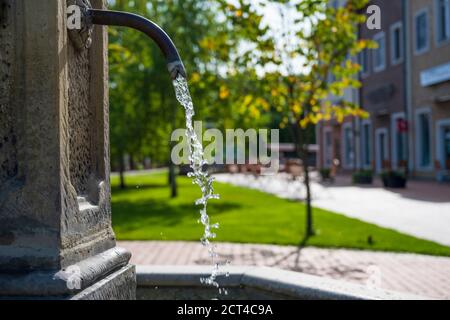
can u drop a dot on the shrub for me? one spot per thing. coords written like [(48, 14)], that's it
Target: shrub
[(325, 173), (362, 177), (394, 179)]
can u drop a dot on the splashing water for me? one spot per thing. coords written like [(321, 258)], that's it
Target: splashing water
[(200, 177)]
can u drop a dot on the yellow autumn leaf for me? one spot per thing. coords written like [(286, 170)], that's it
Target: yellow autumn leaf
[(296, 108), (195, 77), (224, 92), (207, 44), (247, 100), (254, 112), (315, 118), (304, 122), (316, 109), (264, 104)]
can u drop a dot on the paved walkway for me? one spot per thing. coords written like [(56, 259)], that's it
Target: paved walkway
[(410, 273), (421, 210)]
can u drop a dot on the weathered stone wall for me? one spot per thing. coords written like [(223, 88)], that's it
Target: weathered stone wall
[(121, 285), (55, 207), (81, 119), (54, 145), (88, 148), (8, 151), (33, 99)]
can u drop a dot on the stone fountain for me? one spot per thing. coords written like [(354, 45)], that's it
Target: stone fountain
[(56, 239)]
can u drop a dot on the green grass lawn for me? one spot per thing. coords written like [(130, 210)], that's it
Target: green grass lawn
[(144, 211)]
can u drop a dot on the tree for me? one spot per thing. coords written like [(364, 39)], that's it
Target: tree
[(324, 42), (327, 45), (143, 108), (208, 34)]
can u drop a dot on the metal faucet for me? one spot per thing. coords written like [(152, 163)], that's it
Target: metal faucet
[(124, 19)]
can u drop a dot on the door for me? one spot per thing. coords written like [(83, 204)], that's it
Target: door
[(382, 149)]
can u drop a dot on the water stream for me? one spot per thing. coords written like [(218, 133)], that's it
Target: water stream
[(200, 177)]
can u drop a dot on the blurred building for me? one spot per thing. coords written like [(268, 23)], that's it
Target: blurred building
[(406, 90), (338, 142), (384, 135), (429, 82)]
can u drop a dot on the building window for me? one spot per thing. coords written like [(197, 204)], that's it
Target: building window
[(364, 62), (423, 139), (366, 140), (421, 31), (399, 140), (379, 54), (442, 20), (447, 147), (348, 149), (443, 143), (396, 43)]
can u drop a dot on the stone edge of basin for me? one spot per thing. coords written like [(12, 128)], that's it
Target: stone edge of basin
[(55, 283), (288, 283)]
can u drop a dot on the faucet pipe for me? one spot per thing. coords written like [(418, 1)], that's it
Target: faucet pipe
[(151, 29)]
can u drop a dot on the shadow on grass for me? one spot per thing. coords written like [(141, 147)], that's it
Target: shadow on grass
[(131, 215), (132, 188)]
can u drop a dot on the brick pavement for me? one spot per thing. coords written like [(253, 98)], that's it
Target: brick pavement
[(410, 273)]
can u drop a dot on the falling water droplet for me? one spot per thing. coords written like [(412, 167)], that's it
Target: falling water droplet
[(200, 177)]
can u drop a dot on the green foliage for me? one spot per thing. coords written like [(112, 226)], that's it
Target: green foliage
[(325, 42), (393, 174), (325, 173), (208, 34), (223, 45), (328, 45), (362, 177), (394, 179)]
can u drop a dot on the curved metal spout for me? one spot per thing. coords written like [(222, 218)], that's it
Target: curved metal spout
[(125, 19)]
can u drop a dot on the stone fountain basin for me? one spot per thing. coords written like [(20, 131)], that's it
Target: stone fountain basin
[(250, 283)]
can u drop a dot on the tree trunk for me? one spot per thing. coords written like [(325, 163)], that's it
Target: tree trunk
[(122, 171), (301, 139), (309, 217), (172, 181)]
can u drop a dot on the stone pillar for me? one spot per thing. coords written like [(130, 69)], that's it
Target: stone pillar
[(56, 239)]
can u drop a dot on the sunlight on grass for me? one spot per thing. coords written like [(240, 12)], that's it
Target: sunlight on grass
[(144, 211)]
